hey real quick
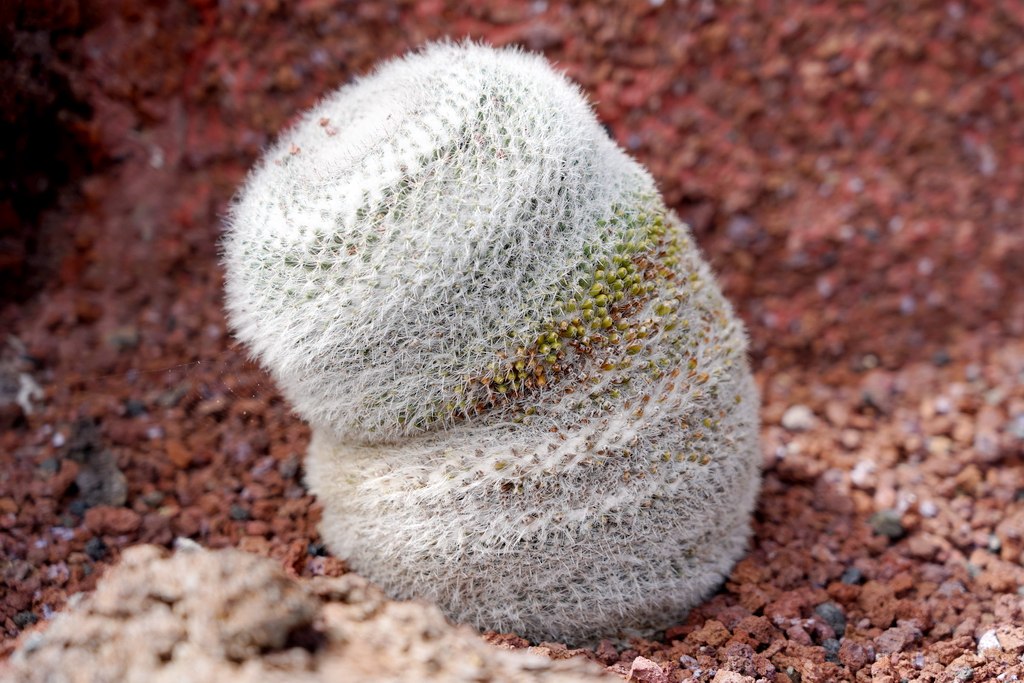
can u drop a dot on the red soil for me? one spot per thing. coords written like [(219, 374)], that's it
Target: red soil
[(855, 173)]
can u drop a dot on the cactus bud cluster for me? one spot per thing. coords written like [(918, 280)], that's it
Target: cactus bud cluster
[(530, 401)]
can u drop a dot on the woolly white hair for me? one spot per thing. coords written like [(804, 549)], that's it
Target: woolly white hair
[(530, 401)]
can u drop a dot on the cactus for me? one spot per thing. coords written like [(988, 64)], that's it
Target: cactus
[(530, 402)]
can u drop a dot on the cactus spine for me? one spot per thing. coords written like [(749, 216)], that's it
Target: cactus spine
[(530, 401)]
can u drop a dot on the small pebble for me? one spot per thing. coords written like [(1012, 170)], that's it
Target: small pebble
[(26, 618), (994, 543), (134, 408), (831, 646), (862, 474), (49, 466), (153, 498), (887, 523), (289, 468), (1017, 427), (688, 662), (95, 548), (834, 616), (852, 576), (644, 670), (798, 418), (989, 641)]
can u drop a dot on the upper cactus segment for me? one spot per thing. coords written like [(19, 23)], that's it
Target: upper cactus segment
[(417, 234)]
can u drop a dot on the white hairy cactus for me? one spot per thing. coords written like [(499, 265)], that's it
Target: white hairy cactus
[(530, 401)]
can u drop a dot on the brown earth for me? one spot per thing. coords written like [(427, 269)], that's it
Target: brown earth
[(855, 172)]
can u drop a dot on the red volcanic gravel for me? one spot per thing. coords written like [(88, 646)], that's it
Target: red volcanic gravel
[(855, 172)]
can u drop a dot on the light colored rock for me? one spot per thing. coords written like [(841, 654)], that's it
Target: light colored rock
[(232, 616), (723, 676), (644, 670), (863, 474), (798, 418), (989, 641)]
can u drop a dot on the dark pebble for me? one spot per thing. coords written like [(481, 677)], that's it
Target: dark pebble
[(95, 548), (239, 513), (852, 576), (831, 650), (134, 407), (887, 523), (833, 615), (289, 468), (153, 498), (26, 618), (49, 466)]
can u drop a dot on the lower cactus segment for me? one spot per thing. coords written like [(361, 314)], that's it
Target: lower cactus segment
[(605, 502), (607, 528)]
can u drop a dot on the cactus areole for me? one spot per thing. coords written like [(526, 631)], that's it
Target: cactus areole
[(530, 402)]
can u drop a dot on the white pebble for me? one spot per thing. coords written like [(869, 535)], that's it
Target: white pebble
[(798, 418), (862, 474), (989, 641)]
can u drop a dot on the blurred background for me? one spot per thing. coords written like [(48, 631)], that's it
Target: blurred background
[(853, 170)]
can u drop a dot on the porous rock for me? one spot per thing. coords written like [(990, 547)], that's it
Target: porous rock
[(233, 616), (644, 670)]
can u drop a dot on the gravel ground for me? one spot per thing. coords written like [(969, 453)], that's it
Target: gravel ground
[(854, 172)]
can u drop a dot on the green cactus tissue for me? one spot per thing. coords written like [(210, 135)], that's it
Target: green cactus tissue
[(530, 402)]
